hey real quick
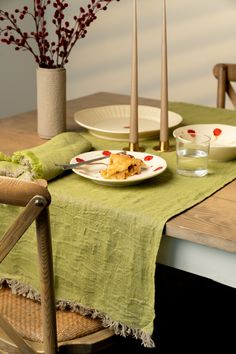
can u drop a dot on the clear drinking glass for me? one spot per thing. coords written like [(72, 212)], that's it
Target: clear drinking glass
[(192, 151)]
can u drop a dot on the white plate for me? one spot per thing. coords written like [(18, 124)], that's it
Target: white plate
[(223, 139), (112, 122), (156, 165)]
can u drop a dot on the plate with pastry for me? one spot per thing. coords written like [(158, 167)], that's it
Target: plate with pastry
[(119, 168)]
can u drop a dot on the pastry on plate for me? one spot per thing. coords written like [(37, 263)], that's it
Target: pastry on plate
[(122, 166)]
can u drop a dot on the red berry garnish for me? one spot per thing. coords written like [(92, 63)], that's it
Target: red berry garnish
[(148, 158), (158, 168), (106, 153), (79, 159), (191, 132), (217, 131)]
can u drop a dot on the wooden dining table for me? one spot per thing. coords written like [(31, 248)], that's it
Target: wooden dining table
[(200, 240), (109, 241)]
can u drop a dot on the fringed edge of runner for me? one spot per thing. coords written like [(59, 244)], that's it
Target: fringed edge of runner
[(21, 289), (118, 328)]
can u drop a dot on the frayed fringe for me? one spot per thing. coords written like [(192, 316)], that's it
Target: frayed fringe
[(124, 330), (118, 328), (21, 289)]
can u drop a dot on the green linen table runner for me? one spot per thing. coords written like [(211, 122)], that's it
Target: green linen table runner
[(106, 239)]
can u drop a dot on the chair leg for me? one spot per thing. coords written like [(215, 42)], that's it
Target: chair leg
[(47, 290)]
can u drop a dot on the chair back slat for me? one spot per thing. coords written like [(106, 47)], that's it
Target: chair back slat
[(18, 192), (21, 224), (232, 94)]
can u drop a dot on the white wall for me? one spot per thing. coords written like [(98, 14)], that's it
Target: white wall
[(17, 74), (200, 34)]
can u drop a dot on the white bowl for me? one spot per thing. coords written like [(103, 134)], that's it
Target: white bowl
[(113, 122), (223, 139)]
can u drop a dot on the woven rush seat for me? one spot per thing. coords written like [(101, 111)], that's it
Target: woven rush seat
[(25, 316)]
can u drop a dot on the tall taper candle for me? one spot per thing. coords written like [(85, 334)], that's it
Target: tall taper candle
[(133, 136), (164, 134)]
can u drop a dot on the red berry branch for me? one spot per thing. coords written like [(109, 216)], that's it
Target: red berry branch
[(55, 53)]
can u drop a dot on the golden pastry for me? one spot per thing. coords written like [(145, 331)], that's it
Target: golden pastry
[(122, 166)]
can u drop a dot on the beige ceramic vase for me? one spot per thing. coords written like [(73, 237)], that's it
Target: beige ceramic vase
[(51, 102)]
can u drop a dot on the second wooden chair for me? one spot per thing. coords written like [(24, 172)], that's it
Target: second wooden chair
[(225, 75)]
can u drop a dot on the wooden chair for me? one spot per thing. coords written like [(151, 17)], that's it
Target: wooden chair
[(225, 75), (27, 326)]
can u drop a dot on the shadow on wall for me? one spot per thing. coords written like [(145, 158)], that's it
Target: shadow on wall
[(199, 35), (195, 44)]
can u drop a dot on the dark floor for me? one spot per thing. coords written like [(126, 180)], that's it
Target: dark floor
[(193, 315)]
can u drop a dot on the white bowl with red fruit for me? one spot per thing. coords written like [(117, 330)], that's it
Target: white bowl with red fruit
[(223, 139)]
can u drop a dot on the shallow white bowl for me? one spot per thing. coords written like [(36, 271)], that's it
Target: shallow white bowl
[(113, 122), (223, 139)]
